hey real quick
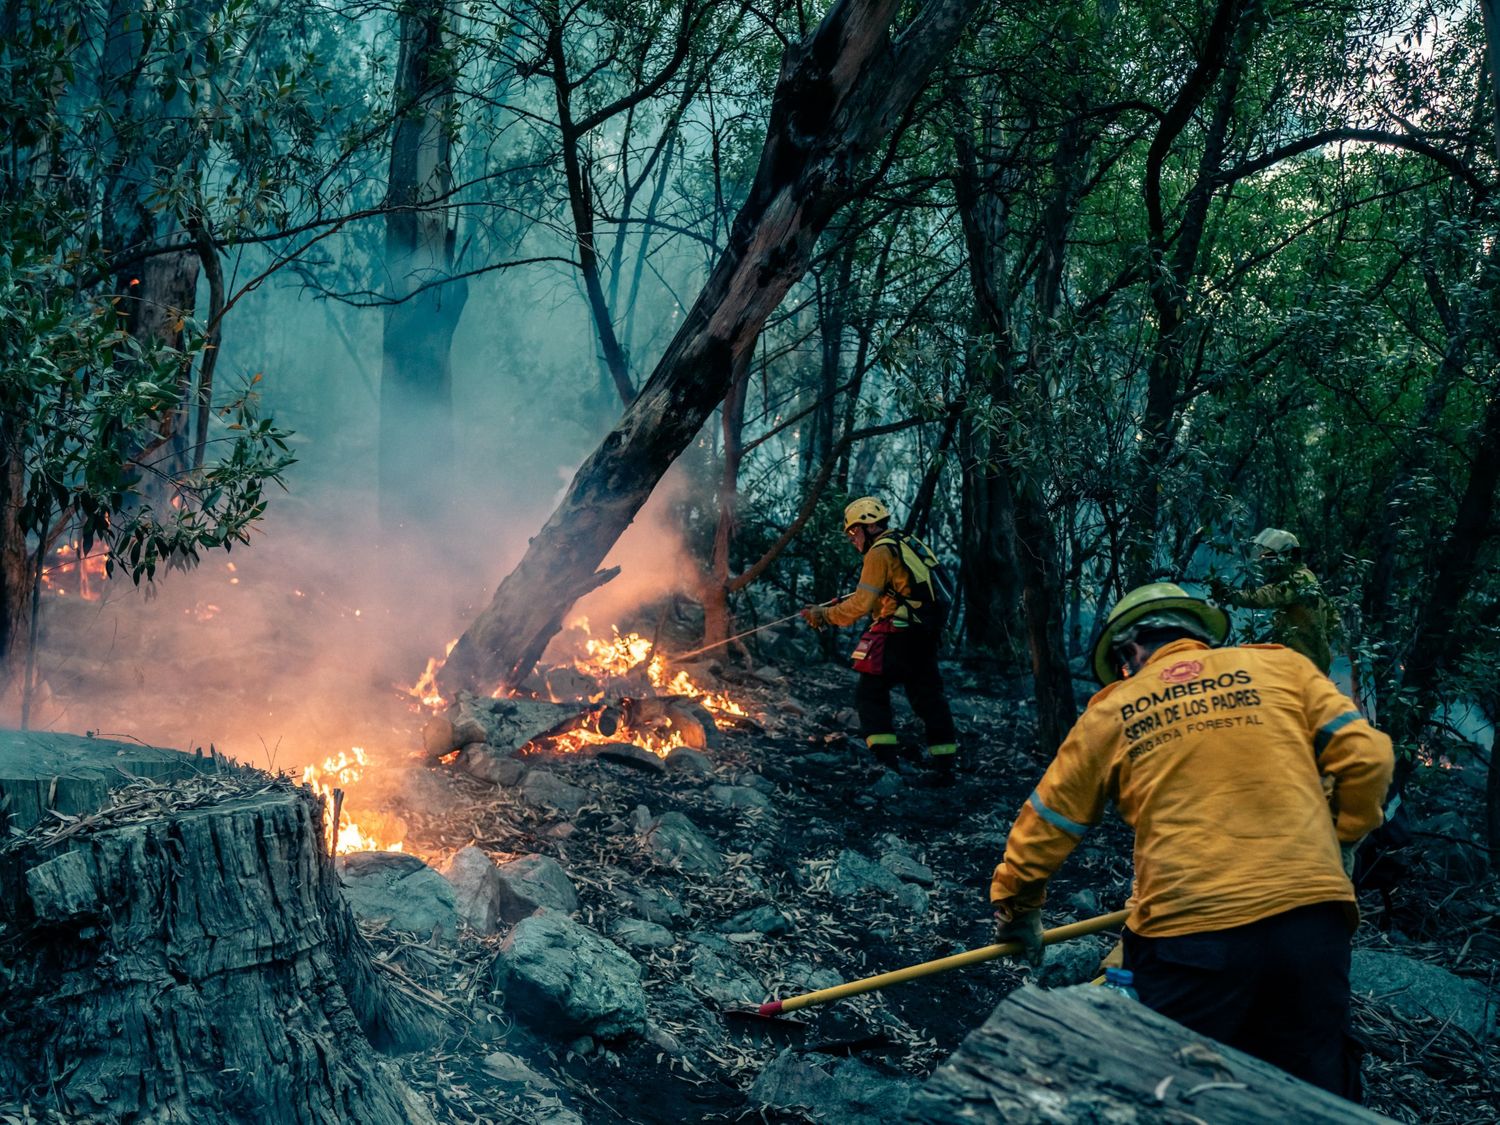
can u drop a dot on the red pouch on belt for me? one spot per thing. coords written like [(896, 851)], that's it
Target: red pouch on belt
[(869, 654)]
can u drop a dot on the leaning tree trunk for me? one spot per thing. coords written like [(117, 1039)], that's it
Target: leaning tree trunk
[(185, 955), (842, 91)]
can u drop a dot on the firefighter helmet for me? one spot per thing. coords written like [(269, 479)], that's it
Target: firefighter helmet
[(1158, 603), (1274, 541), (867, 509)]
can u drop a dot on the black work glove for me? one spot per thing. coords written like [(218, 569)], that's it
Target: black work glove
[(1024, 927)]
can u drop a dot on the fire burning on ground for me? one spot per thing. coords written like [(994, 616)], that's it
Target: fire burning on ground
[(372, 831)]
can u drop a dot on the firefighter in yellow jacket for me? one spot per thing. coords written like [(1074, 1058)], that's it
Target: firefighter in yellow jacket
[(1242, 907), (899, 586)]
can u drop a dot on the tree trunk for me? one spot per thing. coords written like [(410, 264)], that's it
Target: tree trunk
[(842, 91), (186, 955), (1014, 475), (16, 574), (1088, 1054), (416, 385), (716, 584), (1223, 50)]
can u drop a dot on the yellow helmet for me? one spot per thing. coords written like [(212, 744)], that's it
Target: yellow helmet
[(867, 509), (1165, 600)]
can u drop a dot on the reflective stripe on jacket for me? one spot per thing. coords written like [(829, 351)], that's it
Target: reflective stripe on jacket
[(1215, 757)]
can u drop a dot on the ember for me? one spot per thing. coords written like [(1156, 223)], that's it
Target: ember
[(371, 831)]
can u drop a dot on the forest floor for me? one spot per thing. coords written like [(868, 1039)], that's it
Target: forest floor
[(827, 797)]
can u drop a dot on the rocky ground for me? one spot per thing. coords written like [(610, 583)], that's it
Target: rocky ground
[(607, 921)]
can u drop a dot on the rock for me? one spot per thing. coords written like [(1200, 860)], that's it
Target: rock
[(888, 784), (641, 934), (629, 754), (1071, 962), (660, 1037), (544, 788), (641, 819), (476, 889), (656, 906), (468, 729), (903, 867), (686, 760), (913, 899), (438, 738), (740, 798), (400, 891), (674, 840), (1416, 988), (561, 831), (849, 1093), (755, 781), (1085, 901), (805, 977), (478, 760), (508, 1068), (761, 920), (566, 980), (769, 675), (534, 881), (724, 980), (854, 875)]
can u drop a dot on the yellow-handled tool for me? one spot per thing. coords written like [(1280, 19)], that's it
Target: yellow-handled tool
[(941, 965)]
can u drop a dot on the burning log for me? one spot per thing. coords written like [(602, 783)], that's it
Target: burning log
[(184, 953)]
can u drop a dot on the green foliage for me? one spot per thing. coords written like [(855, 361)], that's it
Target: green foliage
[(86, 406)]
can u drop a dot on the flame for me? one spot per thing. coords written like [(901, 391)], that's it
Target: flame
[(372, 832), (622, 654), (425, 689), (70, 571)]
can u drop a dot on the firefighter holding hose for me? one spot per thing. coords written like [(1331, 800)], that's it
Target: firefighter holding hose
[(1242, 908), (901, 586)]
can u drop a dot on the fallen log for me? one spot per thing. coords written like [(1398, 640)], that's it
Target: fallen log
[(184, 954), (1087, 1055)]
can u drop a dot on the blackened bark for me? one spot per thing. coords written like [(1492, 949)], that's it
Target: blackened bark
[(842, 91)]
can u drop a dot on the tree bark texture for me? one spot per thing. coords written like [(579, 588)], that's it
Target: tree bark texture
[(195, 963), (1090, 1056), (842, 91), (416, 383)]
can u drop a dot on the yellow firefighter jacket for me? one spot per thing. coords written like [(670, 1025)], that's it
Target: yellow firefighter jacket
[(1215, 757), (884, 571)]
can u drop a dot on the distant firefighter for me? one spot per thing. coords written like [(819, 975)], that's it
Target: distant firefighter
[(1303, 617), (901, 587)]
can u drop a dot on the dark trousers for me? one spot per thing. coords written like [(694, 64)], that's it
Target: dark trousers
[(911, 662), (1277, 989)]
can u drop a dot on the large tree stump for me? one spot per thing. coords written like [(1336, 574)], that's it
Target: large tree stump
[(1090, 1056), (185, 955), (42, 772)]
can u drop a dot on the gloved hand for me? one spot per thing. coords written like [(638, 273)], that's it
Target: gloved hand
[(1219, 590), (1023, 926), (816, 616)]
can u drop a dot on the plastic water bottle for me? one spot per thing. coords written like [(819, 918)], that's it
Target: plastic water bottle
[(1121, 980)]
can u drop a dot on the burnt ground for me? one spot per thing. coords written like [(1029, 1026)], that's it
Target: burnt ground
[(699, 1060)]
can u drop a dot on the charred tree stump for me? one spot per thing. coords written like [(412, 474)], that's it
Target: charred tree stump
[(186, 955), (1089, 1055)]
